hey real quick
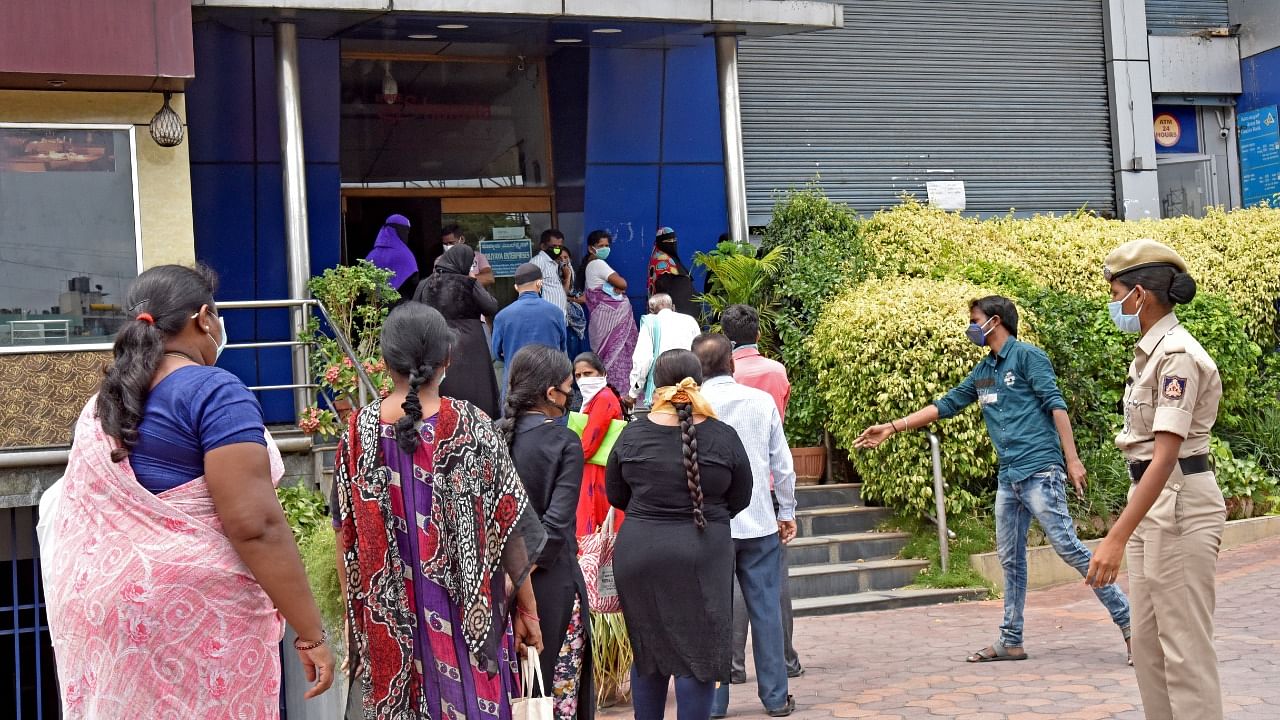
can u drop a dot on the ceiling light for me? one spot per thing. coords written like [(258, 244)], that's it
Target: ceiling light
[(568, 41), (390, 88), (423, 36), (607, 31), (453, 26)]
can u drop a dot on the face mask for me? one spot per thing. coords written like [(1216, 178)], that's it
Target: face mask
[(667, 246), (602, 253), (590, 386), (977, 333), (1126, 323), (564, 409), (555, 250), (219, 345)]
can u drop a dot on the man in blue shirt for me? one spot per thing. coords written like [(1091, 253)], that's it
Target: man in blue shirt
[(1027, 420), (528, 320)]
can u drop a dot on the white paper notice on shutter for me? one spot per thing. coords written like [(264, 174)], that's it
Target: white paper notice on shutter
[(946, 194)]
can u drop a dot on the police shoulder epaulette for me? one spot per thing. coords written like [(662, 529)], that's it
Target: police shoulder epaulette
[(1175, 341)]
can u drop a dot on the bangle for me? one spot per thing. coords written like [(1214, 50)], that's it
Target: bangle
[(893, 424), (527, 614), (304, 645)]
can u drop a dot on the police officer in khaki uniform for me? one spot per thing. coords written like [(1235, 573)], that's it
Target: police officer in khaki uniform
[(1172, 526)]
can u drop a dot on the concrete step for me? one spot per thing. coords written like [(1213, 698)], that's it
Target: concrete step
[(814, 581), (883, 600), (813, 496), (838, 520), (845, 547)]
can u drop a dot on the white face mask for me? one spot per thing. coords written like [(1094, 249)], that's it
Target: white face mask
[(590, 387), (218, 346)]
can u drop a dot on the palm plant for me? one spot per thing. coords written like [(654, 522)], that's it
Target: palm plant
[(738, 276)]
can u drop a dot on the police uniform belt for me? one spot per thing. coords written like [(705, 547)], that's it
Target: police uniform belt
[(1190, 466)]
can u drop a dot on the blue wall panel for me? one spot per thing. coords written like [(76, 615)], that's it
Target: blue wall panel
[(691, 109), (624, 106), (623, 199), (1261, 78), (633, 186), (236, 186), (693, 204), (220, 99)]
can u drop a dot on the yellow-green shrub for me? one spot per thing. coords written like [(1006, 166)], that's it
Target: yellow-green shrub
[(1235, 255), (889, 347)]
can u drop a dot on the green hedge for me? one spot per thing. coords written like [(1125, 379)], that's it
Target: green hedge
[(873, 327)]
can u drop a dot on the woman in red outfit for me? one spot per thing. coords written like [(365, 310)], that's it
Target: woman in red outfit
[(602, 406)]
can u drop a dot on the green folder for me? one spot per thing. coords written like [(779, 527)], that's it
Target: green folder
[(578, 423)]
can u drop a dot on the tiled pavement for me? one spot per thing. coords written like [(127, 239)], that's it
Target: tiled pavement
[(902, 664)]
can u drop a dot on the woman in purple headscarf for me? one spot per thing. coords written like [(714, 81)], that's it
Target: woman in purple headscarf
[(391, 252)]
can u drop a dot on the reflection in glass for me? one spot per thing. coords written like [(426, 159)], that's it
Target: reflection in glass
[(443, 124), (68, 238)]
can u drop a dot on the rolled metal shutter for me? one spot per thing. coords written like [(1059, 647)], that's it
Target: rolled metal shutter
[(1009, 96), (1174, 17)]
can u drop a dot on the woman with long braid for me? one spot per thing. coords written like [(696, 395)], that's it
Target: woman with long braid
[(433, 527), (548, 457), (680, 475)]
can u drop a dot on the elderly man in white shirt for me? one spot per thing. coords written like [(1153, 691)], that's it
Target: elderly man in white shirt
[(661, 330), (758, 533)]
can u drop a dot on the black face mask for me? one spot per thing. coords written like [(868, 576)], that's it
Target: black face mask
[(555, 250), (667, 246), (402, 231)]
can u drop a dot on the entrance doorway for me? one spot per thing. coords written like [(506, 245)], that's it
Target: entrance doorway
[(490, 224)]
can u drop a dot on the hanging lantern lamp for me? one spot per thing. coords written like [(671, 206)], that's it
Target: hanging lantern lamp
[(166, 126)]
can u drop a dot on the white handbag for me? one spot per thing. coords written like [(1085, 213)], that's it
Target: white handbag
[(529, 707)]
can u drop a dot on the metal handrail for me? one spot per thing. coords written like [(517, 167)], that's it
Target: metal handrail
[(940, 501), (366, 386)]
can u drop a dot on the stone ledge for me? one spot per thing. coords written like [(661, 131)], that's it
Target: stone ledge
[(1045, 568)]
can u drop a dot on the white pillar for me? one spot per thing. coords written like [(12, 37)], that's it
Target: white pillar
[(1133, 145), (735, 178), (294, 181)]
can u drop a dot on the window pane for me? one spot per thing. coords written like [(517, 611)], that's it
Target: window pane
[(68, 241), (443, 124)]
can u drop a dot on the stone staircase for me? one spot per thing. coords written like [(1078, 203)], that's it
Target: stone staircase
[(839, 563)]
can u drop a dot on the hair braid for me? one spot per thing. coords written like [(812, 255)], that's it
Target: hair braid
[(689, 446), (407, 426)]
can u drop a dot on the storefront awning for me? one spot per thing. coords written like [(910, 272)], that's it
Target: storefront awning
[(345, 18)]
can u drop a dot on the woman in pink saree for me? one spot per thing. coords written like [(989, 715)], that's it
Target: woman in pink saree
[(167, 560), (612, 326)]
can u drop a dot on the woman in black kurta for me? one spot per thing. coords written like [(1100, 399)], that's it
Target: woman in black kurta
[(462, 301), (673, 562), (548, 458)]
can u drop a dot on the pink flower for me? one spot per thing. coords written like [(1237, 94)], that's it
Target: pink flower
[(218, 684), (213, 647), (135, 592), (176, 525), (332, 374), (138, 631), (347, 361)]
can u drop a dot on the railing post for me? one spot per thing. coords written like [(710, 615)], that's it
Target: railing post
[(940, 500)]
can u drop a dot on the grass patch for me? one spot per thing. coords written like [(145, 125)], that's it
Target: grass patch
[(974, 534)]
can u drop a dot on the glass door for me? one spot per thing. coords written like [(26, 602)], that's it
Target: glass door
[(504, 230), (1187, 185)]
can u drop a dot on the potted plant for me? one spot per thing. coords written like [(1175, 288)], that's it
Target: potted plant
[(737, 276), (356, 300)]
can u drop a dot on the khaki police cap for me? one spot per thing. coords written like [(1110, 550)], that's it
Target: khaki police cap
[(1137, 254)]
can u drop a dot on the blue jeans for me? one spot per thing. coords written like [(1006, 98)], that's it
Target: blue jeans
[(1044, 497), (758, 567), (649, 697)]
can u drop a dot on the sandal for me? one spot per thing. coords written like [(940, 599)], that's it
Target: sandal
[(995, 653)]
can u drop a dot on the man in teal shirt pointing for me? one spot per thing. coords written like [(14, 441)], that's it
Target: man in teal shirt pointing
[(1027, 420)]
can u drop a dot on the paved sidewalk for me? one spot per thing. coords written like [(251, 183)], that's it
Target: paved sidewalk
[(901, 664)]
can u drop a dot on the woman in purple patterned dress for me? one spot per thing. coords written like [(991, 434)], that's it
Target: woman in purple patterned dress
[(436, 538)]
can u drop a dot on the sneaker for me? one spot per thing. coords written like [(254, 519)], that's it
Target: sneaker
[(785, 710), (793, 674)]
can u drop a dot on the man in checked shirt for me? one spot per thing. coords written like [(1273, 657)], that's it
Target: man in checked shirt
[(758, 532)]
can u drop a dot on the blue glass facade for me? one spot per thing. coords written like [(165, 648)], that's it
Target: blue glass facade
[(636, 146)]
